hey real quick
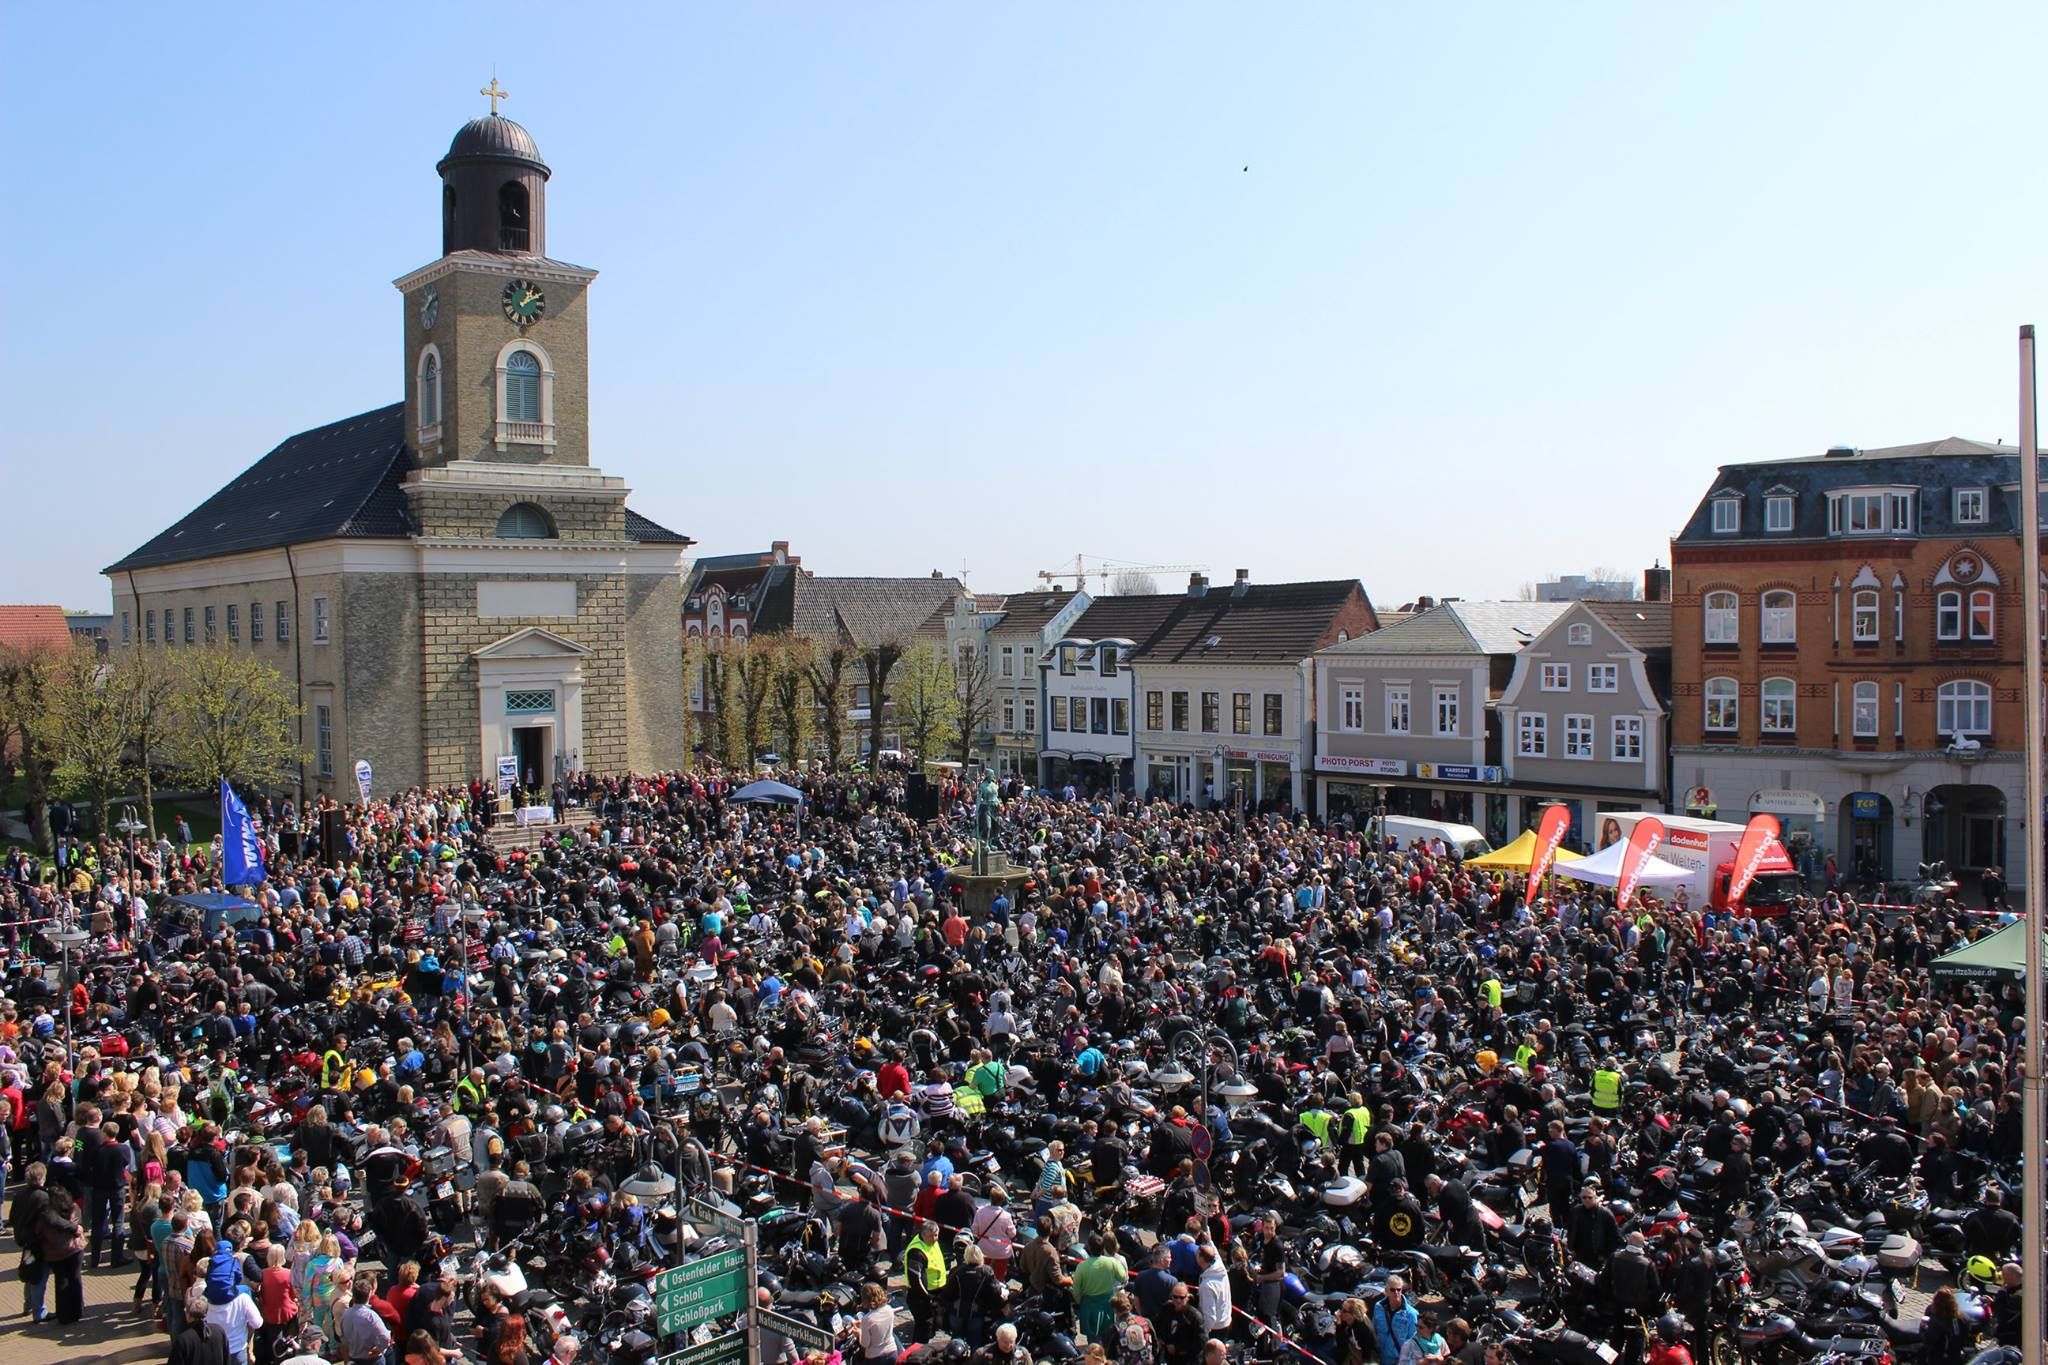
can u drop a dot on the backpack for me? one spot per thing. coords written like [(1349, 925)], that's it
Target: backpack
[(223, 1276)]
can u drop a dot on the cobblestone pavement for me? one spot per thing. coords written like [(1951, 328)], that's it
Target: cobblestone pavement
[(112, 1332)]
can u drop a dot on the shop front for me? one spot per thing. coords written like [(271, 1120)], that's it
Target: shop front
[(1259, 777), (1802, 826), (1865, 844)]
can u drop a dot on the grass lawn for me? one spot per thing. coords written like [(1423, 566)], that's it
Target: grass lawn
[(201, 814)]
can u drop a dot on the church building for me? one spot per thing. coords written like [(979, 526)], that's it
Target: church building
[(449, 580)]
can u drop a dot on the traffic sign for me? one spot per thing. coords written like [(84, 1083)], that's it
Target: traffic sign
[(729, 1348), (798, 1331), (712, 1287), (716, 1219)]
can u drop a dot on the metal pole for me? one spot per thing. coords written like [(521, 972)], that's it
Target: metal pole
[(2032, 1093)]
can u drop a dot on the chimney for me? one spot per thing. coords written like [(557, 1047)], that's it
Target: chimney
[(1657, 583), (778, 552), (1198, 584), (1243, 584)]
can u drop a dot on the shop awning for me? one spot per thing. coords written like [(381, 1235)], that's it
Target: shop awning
[(1604, 868), (1517, 856), (2000, 955)]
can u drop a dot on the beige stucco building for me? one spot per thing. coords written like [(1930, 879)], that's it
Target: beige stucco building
[(447, 580)]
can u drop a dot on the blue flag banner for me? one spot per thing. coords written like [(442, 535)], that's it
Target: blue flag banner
[(241, 850)]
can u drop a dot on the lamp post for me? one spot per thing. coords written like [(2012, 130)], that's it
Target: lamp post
[(2032, 1092), (67, 938)]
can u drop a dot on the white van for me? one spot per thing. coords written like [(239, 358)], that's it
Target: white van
[(1468, 842)]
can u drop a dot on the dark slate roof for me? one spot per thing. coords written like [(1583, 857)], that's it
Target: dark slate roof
[(493, 138), (1936, 468), (344, 479), (1639, 625), (1029, 611), (866, 611), (646, 532), (1266, 622)]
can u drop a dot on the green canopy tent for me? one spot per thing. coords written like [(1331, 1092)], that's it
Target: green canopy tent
[(1998, 956)]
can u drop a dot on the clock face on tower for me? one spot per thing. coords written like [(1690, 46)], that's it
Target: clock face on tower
[(524, 303), (430, 305)]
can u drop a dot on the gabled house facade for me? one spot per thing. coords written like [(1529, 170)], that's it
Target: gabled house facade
[(1025, 633), (1583, 716)]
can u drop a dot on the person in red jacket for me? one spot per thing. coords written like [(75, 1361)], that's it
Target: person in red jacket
[(1669, 1348), (893, 1079)]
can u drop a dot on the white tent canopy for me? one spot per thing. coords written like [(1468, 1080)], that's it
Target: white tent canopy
[(1604, 869)]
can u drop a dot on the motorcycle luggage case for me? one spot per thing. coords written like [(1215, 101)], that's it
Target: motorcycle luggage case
[(1899, 1253), (1567, 1347)]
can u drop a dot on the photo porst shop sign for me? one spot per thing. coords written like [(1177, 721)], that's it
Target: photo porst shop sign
[(694, 1293)]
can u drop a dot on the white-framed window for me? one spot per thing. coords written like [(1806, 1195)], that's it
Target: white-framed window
[(1780, 706), (1275, 707), (1778, 512), (1948, 615), (1578, 633), (1722, 614), (1870, 512), (1723, 705), (1778, 613), (191, 637), (211, 616), (1556, 678), (1578, 737), (1212, 713), (1983, 614), (1180, 712), (1603, 677), (1727, 516), (430, 393), (1863, 710), (1397, 709), (1119, 715), (234, 623), (1971, 506), (319, 620), (526, 395), (1030, 716), (1240, 713), (255, 623), (1351, 707), (1863, 609), (1532, 734), (1067, 665), (1009, 658), (323, 739), (1628, 739), (1899, 709), (1009, 715), (1446, 705), (1155, 710), (1106, 664), (284, 622), (1963, 707)]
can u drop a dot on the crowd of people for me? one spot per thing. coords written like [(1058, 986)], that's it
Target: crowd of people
[(1200, 1084)]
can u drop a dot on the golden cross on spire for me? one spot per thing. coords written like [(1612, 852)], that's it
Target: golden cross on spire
[(494, 94)]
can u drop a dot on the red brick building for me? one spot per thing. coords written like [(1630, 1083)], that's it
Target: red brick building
[(1845, 654)]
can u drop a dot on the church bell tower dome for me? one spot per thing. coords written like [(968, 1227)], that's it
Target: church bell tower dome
[(493, 190)]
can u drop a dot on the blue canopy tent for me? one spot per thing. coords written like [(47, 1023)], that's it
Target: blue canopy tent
[(771, 793), (219, 909)]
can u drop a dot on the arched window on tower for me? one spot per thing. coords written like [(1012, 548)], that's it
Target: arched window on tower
[(512, 224), (522, 387), (447, 218), (430, 394), (525, 521)]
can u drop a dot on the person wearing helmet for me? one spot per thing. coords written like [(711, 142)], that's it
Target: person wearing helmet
[(1991, 1231), (1669, 1348)]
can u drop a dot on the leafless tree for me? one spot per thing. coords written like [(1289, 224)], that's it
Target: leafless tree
[(826, 670), (877, 662), (1132, 583), (977, 700)]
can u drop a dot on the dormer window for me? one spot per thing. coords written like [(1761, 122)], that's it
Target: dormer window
[(1871, 512), (1579, 633), (1727, 514), (1108, 665), (1972, 506), (1778, 512)]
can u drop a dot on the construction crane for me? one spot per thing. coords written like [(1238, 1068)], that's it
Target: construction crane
[(1104, 570)]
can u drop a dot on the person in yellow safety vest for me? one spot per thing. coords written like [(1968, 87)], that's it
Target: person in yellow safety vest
[(1525, 1055), (1607, 1088), (924, 1277), (469, 1093), (1357, 1128), (1317, 1121), (334, 1069), (1491, 986)]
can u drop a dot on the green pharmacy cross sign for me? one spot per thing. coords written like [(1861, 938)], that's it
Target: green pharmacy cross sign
[(702, 1290)]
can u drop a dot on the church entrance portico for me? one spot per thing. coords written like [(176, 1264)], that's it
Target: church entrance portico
[(530, 703)]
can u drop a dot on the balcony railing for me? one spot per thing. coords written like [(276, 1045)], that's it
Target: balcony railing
[(525, 434)]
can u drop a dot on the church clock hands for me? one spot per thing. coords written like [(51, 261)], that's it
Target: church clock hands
[(430, 306), (524, 303)]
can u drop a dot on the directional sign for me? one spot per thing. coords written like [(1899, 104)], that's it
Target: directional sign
[(728, 1349), (800, 1332), (694, 1293), (716, 1218)]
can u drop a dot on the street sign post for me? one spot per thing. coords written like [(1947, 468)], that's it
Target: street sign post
[(715, 1219), (802, 1333), (729, 1348), (701, 1290)]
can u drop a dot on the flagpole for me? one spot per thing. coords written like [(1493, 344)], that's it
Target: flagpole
[(2032, 1093)]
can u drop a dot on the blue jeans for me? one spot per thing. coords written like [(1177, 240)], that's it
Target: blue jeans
[(35, 1283), (105, 1210)]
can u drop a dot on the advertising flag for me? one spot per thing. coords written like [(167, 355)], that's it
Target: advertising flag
[(1643, 841), (241, 850), (1550, 832), (1749, 854)]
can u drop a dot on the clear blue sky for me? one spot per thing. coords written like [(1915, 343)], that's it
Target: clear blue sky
[(912, 286)]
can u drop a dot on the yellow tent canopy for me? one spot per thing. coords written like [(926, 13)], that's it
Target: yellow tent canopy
[(1517, 856)]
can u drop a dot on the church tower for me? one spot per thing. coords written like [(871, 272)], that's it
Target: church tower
[(496, 333)]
